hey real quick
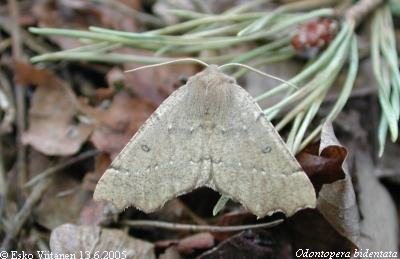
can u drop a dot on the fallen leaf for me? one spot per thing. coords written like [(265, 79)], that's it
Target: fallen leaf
[(54, 124), (98, 242), (55, 209), (322, 169), (337, 201), (334, 225)]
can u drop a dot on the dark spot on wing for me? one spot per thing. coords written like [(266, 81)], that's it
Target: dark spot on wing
[(117, 181), (145, 148), (155, 114), (260, 115), (266, 150)]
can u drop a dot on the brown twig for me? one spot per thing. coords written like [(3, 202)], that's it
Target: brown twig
[(363, 7), (175, 226), (19, 93)]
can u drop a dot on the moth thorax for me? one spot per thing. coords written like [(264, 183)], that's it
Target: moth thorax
[(206, 98)]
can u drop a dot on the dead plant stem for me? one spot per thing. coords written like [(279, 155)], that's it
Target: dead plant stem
[(175, 226), (359, 10), (19, 93)]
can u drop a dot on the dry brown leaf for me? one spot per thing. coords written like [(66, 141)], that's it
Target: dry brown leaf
[(337, 201), (53, 211), (101, 243), (62, 202), (379, 226), (117, 124), (322, 169), (54, 124), (334, 226)]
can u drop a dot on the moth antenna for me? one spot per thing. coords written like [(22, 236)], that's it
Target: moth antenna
[(258, 71), (170, 62)]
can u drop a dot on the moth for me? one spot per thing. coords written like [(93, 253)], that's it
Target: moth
[(209, 132)]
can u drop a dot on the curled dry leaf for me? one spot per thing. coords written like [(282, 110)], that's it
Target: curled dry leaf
[(379, 227), (337, 201), (54, 124), (101, 243), (335, 223), (322, 169)]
